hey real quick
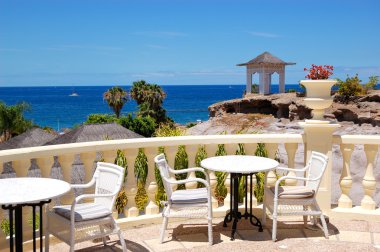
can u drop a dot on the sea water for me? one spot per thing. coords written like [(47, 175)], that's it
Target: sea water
[(57, 108)]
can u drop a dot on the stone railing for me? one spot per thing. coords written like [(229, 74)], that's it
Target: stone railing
[(62, 162)]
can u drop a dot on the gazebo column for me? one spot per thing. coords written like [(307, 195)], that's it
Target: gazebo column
[(262, 81), (249, 81), (282, 81), (268, 83)]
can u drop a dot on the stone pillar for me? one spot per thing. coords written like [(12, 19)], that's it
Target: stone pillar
[(262, 82), (249, 81), (282, 81), (319, 138), (268, 83)]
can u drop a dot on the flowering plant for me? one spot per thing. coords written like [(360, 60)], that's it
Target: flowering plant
[(319, 72)]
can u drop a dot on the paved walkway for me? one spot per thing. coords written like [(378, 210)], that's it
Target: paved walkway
[(292, 236)]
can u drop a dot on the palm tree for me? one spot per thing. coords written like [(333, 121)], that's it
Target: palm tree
[(138, 91), (116, 97), (12, 121), (150, 98)]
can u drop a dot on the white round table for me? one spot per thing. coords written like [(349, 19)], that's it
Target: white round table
[(19, 192), (238, 166)]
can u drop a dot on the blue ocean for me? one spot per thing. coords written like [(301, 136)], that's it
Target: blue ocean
[(54, 107)]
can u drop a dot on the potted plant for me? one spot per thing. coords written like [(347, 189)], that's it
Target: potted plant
[(318, 89), (318, 84)]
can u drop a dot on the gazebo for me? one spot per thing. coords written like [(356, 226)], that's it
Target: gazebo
[(265, 65)]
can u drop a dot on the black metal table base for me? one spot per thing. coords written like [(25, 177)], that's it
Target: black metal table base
[(18, 225), (234, 214)]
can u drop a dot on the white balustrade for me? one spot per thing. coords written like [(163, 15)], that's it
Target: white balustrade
[(345, 179)]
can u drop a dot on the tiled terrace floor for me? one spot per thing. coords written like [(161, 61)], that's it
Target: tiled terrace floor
[(292, 236)]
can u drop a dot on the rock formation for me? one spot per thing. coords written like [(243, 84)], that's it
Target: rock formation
[(360, 109)]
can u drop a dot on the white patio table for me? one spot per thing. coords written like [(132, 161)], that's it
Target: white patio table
[(239, 166), (16, 193)]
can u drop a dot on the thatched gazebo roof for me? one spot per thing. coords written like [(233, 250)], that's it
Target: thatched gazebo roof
[(266, 58), (95, 132), (30, 138)]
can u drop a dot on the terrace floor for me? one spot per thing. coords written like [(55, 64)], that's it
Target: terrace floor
[(191, 235)]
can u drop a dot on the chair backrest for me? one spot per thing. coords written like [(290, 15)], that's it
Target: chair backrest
[(316, 167), (163, 166), (108, 179)]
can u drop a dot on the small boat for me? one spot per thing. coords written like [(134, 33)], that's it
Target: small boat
[(74, 94)]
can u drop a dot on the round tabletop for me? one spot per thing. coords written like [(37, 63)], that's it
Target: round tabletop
[(27, 190), (239, 164)]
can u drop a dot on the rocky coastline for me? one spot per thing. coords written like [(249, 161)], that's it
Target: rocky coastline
[(359, 110)]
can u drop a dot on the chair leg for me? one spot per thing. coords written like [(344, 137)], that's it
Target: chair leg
[(264, 214), (324, 225), (47, 240), (163, 228), (104, 239), (122, 241), (210, 236), (274, 227)]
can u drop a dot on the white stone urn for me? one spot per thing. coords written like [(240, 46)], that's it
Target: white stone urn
[(318, 93)]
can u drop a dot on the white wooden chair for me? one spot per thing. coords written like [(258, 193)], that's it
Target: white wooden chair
[(297, 200), (79, 222), (190, 203)]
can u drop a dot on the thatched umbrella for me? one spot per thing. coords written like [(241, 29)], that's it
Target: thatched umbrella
[(30, 138), (95, 132), (88, 133)]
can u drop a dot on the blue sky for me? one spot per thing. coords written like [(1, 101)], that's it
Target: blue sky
[(109, 42)]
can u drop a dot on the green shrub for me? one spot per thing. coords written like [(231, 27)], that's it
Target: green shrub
[(350, 87), (291, 90), (260, 177), (5, 227)]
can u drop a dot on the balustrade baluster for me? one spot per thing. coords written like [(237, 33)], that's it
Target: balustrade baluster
[(45, 164), (369, 182), (131, 185), (291, 149), (231, 150), (250, 149), (272, 149), (191, 151), (211, 150), (62, 169), (151, 185), (345, 179), (170, 153)]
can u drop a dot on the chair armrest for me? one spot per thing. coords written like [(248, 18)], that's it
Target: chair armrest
[(184, 181), (78, 186), (86, 196), (291, 169), (291, 177), (195, 169)]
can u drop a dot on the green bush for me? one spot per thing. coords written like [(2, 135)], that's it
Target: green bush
[(5, 227), (260, 177), (350, 87)]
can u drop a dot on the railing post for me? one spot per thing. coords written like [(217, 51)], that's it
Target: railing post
[(369, 181), (211, 150), (346, 180), (319, 137), (131, 185), (191, 151), (291, 149), (152, 187)]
